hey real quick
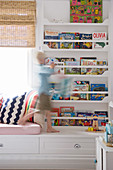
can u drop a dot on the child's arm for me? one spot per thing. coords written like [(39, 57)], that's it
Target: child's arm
[(47, 69)]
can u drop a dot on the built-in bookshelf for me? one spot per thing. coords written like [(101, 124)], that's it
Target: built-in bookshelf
[(57, 18)]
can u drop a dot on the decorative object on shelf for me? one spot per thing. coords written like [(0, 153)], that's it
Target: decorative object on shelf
[(86, 11), (109, 131), (95, 126)]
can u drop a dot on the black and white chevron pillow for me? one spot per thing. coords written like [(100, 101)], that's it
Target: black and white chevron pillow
[(13, 109)]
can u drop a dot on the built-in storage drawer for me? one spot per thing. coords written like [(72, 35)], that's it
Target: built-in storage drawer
[(19, 144), (67, 145)]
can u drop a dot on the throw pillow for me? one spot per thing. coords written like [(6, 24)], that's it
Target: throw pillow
[(31, 103), (1, 102), (13, 109)]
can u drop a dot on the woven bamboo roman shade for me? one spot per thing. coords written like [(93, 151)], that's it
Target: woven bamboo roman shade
[(17, 23)]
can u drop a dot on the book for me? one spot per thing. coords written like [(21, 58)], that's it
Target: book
[(88, 61), (80, 86), (97, 87), (67, 122), (59, 69), (101, 63), (85, 122), (99, 36), (72, 70), (82, 11), (85, 36), (67, 114), (67, 109), (85, 45), (66, 45), (51, 34), (65, 60), (77, 37), (101, 113), (53, 45), (84, 114), (66, 36)]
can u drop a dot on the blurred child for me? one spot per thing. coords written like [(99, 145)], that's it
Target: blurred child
[(44, 95), (43, 91)]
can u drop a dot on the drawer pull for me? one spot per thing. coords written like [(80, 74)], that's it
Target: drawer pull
[(1, 145), (77, 146)]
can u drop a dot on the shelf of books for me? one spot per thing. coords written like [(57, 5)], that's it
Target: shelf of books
[(66, 116), (82, 101), (55, 49), (77, 41)]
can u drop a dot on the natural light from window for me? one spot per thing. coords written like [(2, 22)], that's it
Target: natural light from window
[(13, 70)]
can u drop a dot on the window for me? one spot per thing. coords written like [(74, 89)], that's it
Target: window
[(17, 29), (13, 70)]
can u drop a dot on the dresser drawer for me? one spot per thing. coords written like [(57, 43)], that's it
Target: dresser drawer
[(19, 144), (67, 145)]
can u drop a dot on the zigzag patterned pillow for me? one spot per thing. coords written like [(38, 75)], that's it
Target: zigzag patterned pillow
[(13, 109)]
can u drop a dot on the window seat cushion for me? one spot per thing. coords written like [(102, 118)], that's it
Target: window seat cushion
[(27, 129)]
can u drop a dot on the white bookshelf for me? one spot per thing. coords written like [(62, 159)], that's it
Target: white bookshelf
[(55, 16)]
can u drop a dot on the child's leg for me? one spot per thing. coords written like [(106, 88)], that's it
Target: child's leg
[(39, 118), (49, 127)]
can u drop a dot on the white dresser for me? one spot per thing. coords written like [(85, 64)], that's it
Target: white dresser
[(71, 148)]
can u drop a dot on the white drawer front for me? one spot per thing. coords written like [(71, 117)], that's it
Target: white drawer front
[(19, 144), (72, 145)]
